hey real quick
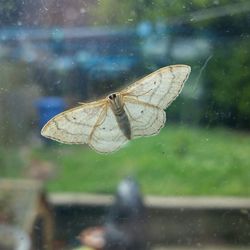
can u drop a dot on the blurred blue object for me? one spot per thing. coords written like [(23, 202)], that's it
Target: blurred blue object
[(48, 107), (145, 29)]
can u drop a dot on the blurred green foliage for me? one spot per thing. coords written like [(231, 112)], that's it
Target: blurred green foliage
[(112, 12), (178, 161), (11, 163), (228, 84)]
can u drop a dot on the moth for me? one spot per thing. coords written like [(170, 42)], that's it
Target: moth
[(136, 111)]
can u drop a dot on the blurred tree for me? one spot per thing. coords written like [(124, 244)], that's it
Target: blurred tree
[(9, 12), (131, 12), (228, 84)]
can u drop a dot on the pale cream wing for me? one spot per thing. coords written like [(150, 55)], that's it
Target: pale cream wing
[(107, 137), (74, 126), (161, 87), (145, 119)]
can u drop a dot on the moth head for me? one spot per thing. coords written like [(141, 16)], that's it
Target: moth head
[(112, 96)]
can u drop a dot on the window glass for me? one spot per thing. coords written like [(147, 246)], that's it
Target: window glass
[(57, 55)]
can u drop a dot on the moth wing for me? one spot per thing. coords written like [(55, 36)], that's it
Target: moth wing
[(74, 126), (161, 87), (107, 137), (145, 120)]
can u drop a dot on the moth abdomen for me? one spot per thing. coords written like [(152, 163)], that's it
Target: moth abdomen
[(124, 124)]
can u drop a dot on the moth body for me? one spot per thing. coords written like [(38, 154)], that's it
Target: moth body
[(117, 106)]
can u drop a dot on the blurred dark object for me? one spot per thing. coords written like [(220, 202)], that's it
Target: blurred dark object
[(48, 107), (23, 204), (125, 226)]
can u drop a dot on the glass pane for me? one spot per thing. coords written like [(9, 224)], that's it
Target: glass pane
[(59, 55)]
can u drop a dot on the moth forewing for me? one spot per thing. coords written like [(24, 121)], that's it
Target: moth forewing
[(74, 126), (161, 87)]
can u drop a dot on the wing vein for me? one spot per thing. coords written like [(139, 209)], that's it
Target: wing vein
[(99, 119)]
